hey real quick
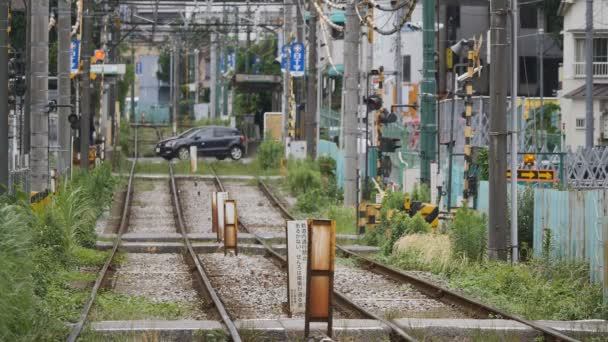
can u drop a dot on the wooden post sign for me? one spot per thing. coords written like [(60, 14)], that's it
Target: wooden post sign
[(320, 273), (221, 198), (230, 226), (297, 254), (214, 212)]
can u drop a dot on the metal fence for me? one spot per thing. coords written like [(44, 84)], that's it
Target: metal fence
[(19, 180), (577, 224)]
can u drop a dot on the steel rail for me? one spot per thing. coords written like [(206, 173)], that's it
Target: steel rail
[(341, 299), (77, 328), (470, 305), (219, 306)]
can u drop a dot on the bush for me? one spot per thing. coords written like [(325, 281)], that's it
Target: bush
[(525, 217), (302, 177), (468, 235), (269, 154), (421, 193), (393, 200), (402, 224), (124, 133), (327, 166)]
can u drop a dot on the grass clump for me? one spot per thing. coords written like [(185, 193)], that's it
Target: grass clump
[(114, 306), (468, 235), (269, 154), (44, 255)]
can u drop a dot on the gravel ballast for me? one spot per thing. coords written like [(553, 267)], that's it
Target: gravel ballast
[(160, 278), (250, 286), (196, 208), (255, 210), (151, 209), (386, 297)]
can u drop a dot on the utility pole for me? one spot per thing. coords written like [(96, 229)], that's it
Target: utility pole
[(498, 233), (287, 36), (398, 60), (514, 127), (213, 112), (351, 97), (64, 54), (176, 90), (4, 158), (311, 93), (589, 124), (27, 108), (428, 131), (39, 95), (85, 78)]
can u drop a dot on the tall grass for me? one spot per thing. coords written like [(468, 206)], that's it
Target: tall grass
[(38, 248)]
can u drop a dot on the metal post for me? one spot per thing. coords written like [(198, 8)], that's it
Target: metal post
[(176, 90), (398, 60), (64, 27), (428, 104), (311, 101), (4, 157), (451, 142), (541, 76), (85, 120), (514, 127), (497, 242), (351, 78), (213, 112), (39, 95), (589, 124)]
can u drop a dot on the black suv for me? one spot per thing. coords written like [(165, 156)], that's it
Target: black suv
[(216, 141)]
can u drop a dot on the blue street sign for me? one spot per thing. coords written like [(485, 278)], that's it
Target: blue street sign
[(297, 60), (75, 56), (231, 60), (284, 57), (138, 68)]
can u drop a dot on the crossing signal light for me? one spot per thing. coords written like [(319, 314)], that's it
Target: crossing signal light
[(74, 121), (529, 159), (389, 144), (386, 117), (374, 102)]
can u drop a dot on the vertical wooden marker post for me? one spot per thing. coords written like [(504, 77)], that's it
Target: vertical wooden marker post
[(297, 256), (231, 224), (214, 212), (320, 273), (221, 198), (193, 159)]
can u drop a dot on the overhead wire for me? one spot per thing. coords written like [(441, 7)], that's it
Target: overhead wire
[(404, 20), (325, 19)]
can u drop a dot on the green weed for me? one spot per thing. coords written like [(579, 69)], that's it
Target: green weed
[(269, 154), (113, 306)]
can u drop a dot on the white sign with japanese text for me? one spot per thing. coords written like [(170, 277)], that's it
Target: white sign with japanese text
[(297, 254)]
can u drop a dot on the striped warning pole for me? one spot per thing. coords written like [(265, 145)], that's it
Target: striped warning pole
[(468, 113)]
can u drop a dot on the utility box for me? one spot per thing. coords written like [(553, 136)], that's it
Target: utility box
[(297, 149)]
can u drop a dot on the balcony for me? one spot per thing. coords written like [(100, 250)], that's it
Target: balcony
[(600, 69)]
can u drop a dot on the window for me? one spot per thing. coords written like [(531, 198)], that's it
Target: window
[(453, 15), (528, 18), (580, 123), (407, 68), (222, 132), (205, 133), (600, 50)]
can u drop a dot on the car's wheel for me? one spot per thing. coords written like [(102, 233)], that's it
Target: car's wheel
[(183, 153), (236, 152), (220, 157)]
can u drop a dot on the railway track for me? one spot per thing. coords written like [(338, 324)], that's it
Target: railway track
[(339, 298), (159, 275), (471, 306)]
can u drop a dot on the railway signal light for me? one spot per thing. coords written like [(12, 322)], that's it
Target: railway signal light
[(529, 159), (389, 144), (386, 117), (374, 102), (74, 121)]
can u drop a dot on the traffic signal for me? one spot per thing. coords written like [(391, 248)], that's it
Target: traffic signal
[(386, 117), (389, 144), (374, 102), (74, 121)]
